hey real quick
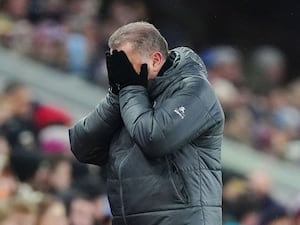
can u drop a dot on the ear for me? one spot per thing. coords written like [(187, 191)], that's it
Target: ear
[(157, 61)]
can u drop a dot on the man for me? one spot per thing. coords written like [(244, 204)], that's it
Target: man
[(159, 131)]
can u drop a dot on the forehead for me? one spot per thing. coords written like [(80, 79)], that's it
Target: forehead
[(126, 47), (133, 56)]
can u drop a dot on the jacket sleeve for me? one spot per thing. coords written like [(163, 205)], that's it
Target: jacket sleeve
[(169, 126), (90, 137)]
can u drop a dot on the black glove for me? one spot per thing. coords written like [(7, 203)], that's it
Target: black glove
[(121, 72), (112, 85)]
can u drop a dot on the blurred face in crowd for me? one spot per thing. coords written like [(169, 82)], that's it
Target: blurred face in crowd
[(55, 214), (6, 109), (250, 218), (8, 182), (22, 101), (4, 148), (81, 212), (229, 71), (154, 61), (20, 218), (18, 8), (260, 183), (61, 176), (102, 210)]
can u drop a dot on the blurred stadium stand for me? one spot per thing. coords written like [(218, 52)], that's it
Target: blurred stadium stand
[(50, 85)]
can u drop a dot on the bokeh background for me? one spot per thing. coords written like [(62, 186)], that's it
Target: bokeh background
[(52, 73)]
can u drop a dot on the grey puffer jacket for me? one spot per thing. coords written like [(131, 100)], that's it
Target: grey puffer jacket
[(162, 147)]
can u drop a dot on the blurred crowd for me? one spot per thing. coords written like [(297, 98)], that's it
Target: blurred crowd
[(69, 35), (262, 110), (248, 201), (261, 107), (40, 182)]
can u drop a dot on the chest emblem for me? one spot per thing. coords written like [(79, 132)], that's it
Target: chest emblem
[(180, 111)]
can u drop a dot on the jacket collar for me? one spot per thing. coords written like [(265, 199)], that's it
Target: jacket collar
[(166, 66)]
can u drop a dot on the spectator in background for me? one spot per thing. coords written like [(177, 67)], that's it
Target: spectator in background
[(19, 129), (66, 34), (15, 29), (227, 93), (294, 93), (94, 190), (284, 117), (6, 109), (267, 69), (239, 205), (23, 121), (60, 174), (22, 37), (16, 9), (16, 210), (25, 165), (276, 123), (51, 211), (239, 124), (9, 183), (48, 43), (226, 74), (19, 95), (81, 210), (86, 208), (260, 185), (4, 152), (83, 36), (277, 216), (103, 213), (77, 47), (224, 62)]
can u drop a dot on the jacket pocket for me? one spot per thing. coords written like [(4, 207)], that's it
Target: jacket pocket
[(177, 182)]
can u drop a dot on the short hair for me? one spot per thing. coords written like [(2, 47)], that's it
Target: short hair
[(143, 37)]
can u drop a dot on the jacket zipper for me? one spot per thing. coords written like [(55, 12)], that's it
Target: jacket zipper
[(121, 188)]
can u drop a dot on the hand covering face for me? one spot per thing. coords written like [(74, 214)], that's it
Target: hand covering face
[(121, 72)]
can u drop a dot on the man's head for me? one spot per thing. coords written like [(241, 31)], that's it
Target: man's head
[(142, 43)]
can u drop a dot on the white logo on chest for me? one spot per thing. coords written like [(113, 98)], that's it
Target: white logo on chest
[(180, 112)]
